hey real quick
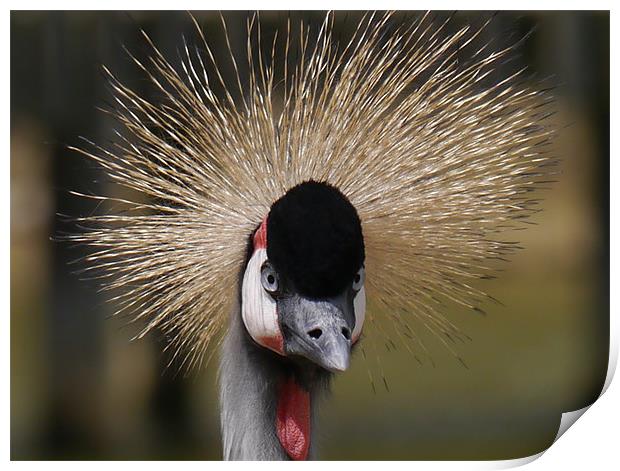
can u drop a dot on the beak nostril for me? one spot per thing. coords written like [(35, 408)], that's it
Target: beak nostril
[(346, 333), (315, 333)]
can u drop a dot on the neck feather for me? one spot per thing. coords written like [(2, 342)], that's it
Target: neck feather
[(250, 380)]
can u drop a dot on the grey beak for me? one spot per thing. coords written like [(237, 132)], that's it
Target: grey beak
[(332, 350), (319, 330)]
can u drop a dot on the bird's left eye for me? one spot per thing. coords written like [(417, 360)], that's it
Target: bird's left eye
[(358, 279), (269, 278)]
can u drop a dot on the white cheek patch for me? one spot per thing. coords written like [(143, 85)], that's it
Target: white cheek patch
[(359, 306), (258, 308)]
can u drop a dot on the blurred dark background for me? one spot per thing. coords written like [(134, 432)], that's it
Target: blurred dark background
[(81, 390)]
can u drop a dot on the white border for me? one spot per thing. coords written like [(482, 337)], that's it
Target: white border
[(593, 441), (312, 5)]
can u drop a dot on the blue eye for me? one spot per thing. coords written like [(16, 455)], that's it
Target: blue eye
[(269, 278), (358, 279)]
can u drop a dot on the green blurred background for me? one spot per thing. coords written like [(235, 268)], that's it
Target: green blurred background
[(81, 389)]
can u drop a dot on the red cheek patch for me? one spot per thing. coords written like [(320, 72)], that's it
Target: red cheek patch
[(293, 419), (275, 343), (260, 236)]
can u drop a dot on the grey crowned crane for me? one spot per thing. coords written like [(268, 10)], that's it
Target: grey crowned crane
[(302, 308), (382, 169)]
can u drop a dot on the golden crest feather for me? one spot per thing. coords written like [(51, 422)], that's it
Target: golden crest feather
[(435, 161)]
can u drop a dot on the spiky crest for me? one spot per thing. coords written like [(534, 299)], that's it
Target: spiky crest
[(435, 161)]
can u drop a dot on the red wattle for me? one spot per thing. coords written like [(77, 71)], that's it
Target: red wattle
[(293, 419)]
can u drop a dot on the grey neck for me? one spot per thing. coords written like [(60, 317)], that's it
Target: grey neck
[(249, 377)]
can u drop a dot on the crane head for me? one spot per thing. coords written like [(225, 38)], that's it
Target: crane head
[(303, 286)]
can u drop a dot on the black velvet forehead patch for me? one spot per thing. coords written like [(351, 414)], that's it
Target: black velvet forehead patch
[(314, 239)]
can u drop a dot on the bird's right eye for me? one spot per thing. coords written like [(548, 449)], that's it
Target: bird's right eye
[(269, 278)]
